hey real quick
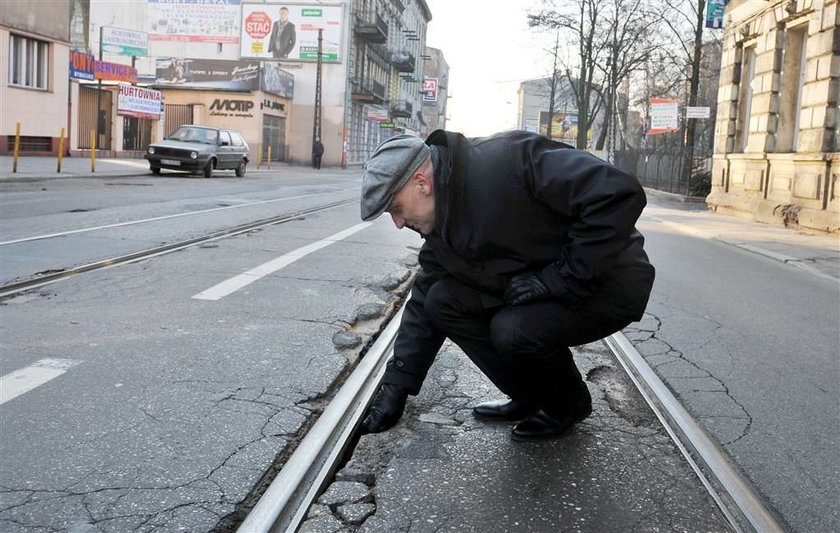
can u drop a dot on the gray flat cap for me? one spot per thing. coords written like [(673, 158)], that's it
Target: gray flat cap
[(388, 169)]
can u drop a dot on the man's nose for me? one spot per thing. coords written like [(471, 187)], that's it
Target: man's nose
[(399, 222)]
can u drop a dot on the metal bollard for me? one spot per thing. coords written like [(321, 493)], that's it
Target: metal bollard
[(268, 158), (93, 150), (259, 155), (17, 147), (60, 150)]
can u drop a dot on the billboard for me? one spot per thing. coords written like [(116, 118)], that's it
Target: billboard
[(124, 42), (139, 102), (277, 81), (208, 73), (82, 65), (563, 126), (289, 32), (200, 21)]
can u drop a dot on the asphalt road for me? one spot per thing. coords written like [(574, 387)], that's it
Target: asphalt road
[(751, 348)]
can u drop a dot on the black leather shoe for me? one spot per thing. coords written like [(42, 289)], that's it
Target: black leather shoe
[(541, 426), (504, 410)]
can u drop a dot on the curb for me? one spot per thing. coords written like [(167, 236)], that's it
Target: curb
[(675, 197)]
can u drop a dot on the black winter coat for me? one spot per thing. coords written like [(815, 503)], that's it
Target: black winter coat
[(518, 202)]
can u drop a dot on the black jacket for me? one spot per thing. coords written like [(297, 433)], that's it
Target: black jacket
[(281, 42), (518, 202)]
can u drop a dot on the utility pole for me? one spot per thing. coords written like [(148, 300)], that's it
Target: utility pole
[(316, 127), (99, 94), (690, 123)]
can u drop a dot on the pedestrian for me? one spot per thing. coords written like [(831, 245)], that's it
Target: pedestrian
[(530, 247), (317, 153)]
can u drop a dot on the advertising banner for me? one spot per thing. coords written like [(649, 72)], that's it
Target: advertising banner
[(430, 91), (208, 73), (289, 32), (664, 116), (563, 126), (125, 42), (377, 115), (82, 66), (714, 13), (103, 70), (198, 21), (139, 102), (277, 81)]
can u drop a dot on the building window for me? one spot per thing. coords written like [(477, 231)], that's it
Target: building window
[(28, 62), (790, 92), (742, 124)]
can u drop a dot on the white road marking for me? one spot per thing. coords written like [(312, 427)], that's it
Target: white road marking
[(125, 163), (191, 213), (24, 380), (237, 282)]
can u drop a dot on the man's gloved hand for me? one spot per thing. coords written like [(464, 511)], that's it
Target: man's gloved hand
[(525, 288), (386, 410)]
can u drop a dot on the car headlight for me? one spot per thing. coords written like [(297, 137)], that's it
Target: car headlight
[(194, 155), (151, 149)]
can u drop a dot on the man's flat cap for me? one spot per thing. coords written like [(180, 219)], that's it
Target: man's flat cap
[(388, 169)]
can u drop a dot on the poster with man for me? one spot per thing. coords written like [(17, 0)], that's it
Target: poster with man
[(289, 32)]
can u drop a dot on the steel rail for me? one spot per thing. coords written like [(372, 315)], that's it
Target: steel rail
[(742, 507), (19, 286), (286, 501)]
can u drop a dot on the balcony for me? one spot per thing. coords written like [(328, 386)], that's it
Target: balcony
[(403, 60), (402, 109), (370, 27), (367, 91)]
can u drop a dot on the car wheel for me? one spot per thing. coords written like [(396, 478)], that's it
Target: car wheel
[(155, 170), (208, 170), (240, 170)]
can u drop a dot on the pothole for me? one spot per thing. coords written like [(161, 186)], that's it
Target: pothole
[(622, 397)]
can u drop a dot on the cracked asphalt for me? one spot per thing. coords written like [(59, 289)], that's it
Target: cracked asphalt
[(440, 469), (178, 410)]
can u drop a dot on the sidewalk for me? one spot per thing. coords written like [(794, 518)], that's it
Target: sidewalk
[(38, 168), (816, 254)]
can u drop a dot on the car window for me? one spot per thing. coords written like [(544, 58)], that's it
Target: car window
[(237, 139), (225, 137)]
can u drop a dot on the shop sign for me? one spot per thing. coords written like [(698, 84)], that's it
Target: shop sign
[(223, 107), (377, 115), (139, 102), (208, 73), (277, 81), (82, 66), (196, 21), (103, 70), (271, 105), (714, 13), (289, 32), (430, 91), (125, 42), (386, 125)]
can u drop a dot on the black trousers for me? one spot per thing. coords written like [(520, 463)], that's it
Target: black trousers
[(316, 161), (524, 350)]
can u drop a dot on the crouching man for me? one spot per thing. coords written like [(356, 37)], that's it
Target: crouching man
[(530, 247)]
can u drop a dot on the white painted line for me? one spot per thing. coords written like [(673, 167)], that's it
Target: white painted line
[(24, 380), (123, 162), (237, 282), (191, 213)]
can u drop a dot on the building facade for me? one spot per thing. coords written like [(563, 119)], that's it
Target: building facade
[(385, 73), (777, 147), (435, 91), (34, 54)]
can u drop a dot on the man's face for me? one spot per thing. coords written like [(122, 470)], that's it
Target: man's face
[(414, 207), (284, 15)]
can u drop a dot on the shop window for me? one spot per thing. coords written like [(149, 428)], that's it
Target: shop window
[(745, 93), (28, 62), (790, 92)]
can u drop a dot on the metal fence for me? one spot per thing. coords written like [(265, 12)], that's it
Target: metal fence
[(662, 169)]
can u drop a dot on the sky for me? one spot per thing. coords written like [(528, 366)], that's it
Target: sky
[(490, 50)]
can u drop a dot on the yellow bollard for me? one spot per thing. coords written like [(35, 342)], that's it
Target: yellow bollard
[(17, 147), (93, 150), (60, 150), (259, 156), (268, 157)]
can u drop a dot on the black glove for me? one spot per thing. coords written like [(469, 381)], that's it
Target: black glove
[(525, 288), (386, 410)]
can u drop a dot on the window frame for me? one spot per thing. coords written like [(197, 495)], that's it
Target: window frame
[(29, 63)]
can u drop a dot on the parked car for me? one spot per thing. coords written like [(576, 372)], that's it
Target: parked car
[(200, 149)]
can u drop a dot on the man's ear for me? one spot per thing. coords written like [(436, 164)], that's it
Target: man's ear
[(424, 181)]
